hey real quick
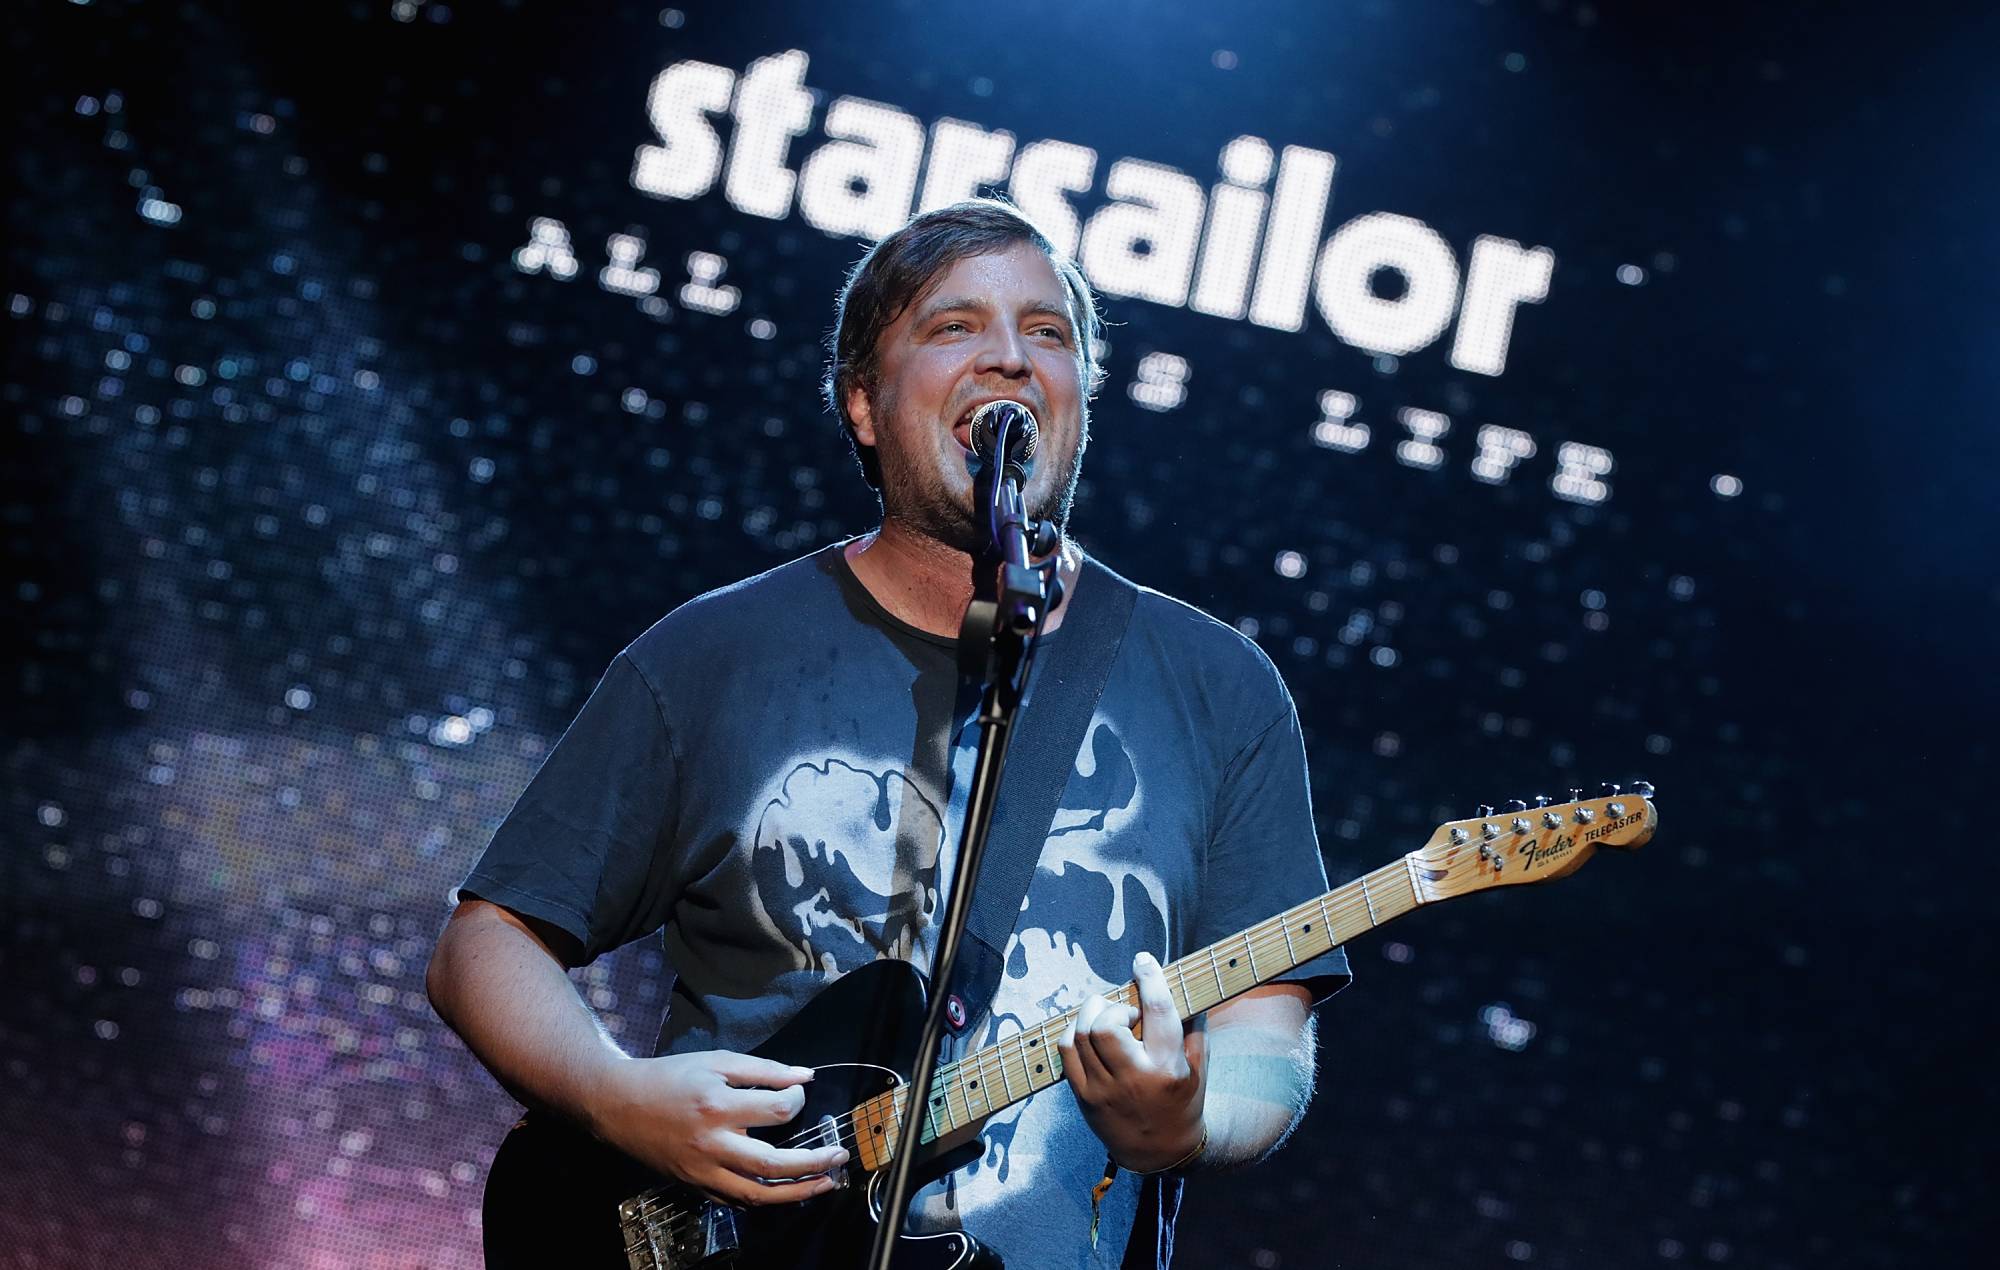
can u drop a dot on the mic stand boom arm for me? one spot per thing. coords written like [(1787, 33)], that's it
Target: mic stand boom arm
[(1011, 598)]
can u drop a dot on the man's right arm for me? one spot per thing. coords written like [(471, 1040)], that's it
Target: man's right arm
[(500, 983)]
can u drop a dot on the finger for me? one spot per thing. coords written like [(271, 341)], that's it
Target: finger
[(736, 1189), (1110, 1044), (1196, 1048), (1073, 1069), (753, 1159), (1160, 1019), (750, 1071), (748, 1107)]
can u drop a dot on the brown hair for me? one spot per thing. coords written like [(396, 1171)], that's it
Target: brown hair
[(893, 273)]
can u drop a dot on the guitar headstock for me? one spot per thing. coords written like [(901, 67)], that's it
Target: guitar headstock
[(1522, 843)]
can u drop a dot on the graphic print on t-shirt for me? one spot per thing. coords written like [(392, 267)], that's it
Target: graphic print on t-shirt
[(845, 860), (1094, 904)]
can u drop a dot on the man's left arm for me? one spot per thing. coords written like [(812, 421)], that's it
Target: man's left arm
[(1260, 1050)]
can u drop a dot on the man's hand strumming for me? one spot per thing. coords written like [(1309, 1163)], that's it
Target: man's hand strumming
[(685, 1114)]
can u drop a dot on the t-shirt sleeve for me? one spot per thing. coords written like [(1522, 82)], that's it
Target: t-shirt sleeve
[(581, 847), (1264, 856)]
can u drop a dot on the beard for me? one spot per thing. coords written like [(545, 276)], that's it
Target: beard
[(916, 493)]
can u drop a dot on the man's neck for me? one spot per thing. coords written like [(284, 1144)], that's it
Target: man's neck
[(927, 584)]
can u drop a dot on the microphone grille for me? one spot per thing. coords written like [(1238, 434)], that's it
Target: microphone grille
[(1025, 435)]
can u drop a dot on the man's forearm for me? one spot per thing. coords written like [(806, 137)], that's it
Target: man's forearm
[(1260, 1079), (507, 996)]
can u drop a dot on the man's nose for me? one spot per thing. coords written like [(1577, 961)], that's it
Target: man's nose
[(1004, 351)]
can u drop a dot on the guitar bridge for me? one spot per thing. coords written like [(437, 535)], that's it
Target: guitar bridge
[(663, 1231)]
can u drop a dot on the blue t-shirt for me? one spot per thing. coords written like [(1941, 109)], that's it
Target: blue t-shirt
[(774, 775)]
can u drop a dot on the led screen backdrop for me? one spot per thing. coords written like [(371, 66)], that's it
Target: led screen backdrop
[(1559, 394)]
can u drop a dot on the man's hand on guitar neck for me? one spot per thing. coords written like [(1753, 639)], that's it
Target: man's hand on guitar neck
[(1142, 1097)]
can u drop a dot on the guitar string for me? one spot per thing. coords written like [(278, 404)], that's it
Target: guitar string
[(1267, 936)]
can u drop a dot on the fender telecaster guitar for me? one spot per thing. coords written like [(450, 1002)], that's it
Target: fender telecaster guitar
[(557, 1197)]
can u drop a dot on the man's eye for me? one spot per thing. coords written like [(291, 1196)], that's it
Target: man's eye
[(951, 326)]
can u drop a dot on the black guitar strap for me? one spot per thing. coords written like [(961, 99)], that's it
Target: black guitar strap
[(1074, 664)]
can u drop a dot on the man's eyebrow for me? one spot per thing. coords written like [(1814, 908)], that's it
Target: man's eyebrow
[(975, 304)]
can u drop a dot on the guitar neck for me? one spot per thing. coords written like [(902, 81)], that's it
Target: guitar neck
[(1000, 1075)]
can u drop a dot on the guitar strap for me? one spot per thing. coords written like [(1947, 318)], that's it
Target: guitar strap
[(1075, 661)]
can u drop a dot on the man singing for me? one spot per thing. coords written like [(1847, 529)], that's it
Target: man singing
[(774, 774)]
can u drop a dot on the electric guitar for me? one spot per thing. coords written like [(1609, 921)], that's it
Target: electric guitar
[(558, 1197)]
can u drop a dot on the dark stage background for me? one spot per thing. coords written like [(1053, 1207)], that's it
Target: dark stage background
[(348, 437)]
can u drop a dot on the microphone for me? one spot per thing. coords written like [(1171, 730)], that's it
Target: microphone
[(1017, 422)]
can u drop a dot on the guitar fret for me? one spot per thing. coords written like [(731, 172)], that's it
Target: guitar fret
[(1290, 951), (1410, 867), (1215, 969), (1006, 1081), (1369, 901), (1250, 951), (957, 1085)]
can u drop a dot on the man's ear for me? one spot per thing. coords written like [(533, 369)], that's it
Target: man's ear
[(861, 413)]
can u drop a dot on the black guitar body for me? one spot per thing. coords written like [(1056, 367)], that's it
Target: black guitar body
[(558, 1197)]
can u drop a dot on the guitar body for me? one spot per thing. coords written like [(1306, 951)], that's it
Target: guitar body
[(558, 1197)]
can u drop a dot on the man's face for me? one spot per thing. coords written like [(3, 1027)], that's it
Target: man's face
[(990, 327)]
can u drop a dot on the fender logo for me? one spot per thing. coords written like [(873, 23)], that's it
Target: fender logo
[(1533, 855), (1611, 826)]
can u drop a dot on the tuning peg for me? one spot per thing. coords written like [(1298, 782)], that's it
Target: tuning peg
[(1609, 789), (1485, 810), (1541, 800), (1643, 789), (1575, 794), (1515, 804)]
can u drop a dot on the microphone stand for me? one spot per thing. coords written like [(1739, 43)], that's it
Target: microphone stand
[(1010, 599)]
